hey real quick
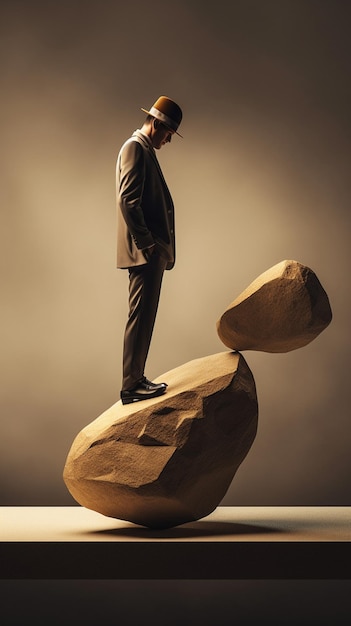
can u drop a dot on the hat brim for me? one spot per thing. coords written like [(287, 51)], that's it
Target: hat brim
[(170, 128)]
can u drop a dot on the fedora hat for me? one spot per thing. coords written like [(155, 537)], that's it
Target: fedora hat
[(168, 112)]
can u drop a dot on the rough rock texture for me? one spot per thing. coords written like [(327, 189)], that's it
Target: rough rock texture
[(285, 308), (163, 462)]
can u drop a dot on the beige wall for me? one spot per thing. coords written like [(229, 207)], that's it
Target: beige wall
[(261, 175)]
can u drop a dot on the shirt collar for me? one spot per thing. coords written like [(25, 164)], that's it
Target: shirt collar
[(142, 135)]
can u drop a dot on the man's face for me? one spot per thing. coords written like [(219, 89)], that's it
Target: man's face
[(161, 135)]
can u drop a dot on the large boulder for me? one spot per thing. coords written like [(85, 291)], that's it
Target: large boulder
[(168, 460), (285, 308)]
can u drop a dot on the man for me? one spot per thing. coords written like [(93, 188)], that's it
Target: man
[(146, 241)]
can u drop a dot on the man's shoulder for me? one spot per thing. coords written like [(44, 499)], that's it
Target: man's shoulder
[(131, 142), (131, 149), (135, 144)]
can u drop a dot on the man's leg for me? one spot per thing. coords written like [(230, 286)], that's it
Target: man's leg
[(144, 293)]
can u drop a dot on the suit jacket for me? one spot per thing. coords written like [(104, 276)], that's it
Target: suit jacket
[(145, 211)]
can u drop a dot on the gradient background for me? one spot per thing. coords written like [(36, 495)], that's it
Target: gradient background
[(262, 175)]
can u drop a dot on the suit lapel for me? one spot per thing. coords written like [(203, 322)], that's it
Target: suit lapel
[(146, 144)]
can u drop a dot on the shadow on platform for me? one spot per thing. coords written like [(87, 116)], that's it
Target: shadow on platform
[(189, 530)]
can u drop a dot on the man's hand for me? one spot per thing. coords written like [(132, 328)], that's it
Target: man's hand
[(148, 252)]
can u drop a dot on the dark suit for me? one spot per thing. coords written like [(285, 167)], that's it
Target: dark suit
[(145, 216)]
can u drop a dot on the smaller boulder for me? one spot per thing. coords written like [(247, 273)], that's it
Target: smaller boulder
[(284, 309)]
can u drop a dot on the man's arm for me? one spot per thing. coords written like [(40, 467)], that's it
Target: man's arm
[(132, 177)]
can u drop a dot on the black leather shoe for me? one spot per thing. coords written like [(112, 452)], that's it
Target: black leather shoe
[(147, 384), (142, 392)]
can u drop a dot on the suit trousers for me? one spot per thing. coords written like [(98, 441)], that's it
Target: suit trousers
[(144, 292)]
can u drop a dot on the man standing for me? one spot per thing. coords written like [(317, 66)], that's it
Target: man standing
[(145, 241)]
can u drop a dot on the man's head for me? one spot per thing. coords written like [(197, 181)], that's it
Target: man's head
[(162, 121), (158, 132)]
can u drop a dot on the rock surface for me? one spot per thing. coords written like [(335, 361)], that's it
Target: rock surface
[(285, 308), (170, 460)]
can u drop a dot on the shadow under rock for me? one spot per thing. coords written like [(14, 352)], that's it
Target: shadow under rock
[(191, 529)]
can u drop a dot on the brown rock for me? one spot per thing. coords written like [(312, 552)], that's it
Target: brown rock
[(285, 308), (170, 460)]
